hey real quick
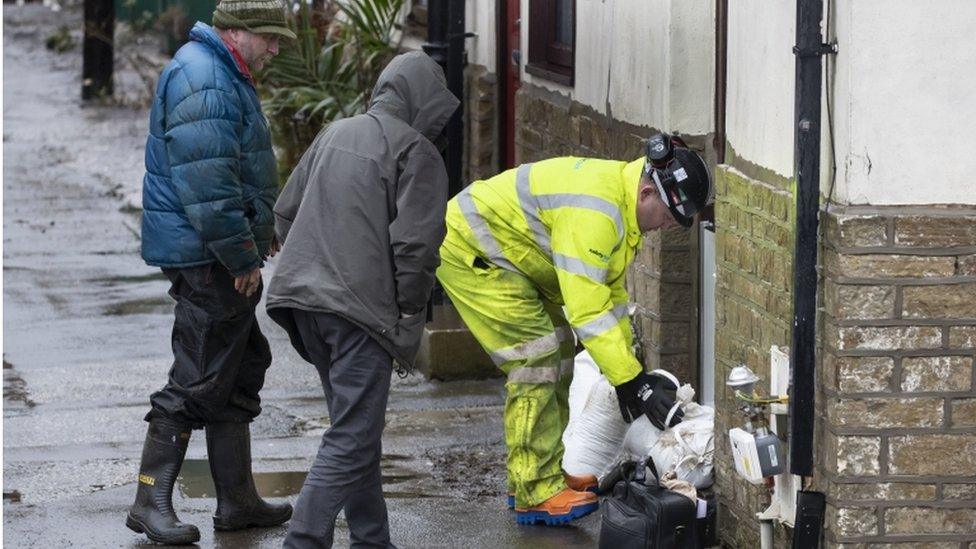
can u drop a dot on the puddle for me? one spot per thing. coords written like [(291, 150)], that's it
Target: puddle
[(194, 481), (140, 306)]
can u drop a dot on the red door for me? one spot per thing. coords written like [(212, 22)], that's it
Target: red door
[(512, 59)]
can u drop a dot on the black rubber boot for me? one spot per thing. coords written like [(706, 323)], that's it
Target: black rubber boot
[(238, 503), (162, 457)]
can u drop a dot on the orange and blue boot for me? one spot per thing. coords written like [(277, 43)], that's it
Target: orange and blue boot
[(585, 483), (562, 508)]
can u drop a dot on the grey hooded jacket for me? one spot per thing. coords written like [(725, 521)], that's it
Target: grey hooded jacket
[(362, 216)]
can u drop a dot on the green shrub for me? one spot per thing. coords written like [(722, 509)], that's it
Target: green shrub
[(61, 40), (329, 71)]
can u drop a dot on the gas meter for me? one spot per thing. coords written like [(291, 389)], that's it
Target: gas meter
[(756, 452)]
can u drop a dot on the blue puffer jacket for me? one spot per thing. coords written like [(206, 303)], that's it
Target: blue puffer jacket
[(211, 179)]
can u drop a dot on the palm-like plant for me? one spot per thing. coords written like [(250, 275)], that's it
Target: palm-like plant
[(328, 72)]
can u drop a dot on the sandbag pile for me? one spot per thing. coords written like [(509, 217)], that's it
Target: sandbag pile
[(597, 439)]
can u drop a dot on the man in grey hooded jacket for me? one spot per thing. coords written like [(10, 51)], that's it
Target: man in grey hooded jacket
[(361, 219)]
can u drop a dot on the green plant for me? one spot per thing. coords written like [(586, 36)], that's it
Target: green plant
[(140, 21), (329, 71), (369, 27), (61, 40), (174, 24)]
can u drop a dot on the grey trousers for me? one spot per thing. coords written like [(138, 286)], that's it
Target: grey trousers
[(355, 373)]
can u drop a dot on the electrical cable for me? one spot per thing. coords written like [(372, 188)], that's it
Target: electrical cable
[(756, 399), (828, 83)]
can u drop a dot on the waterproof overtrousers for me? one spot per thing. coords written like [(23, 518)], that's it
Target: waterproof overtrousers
[(162, 457), (238, 503), (529, 339)]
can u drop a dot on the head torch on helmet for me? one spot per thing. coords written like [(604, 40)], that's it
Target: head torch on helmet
[(680, 176)]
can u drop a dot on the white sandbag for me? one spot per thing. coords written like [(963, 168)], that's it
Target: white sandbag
[(595, 431), (597, 438), (687, 448)]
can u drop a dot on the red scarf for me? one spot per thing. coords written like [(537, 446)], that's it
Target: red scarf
[(240, 60)]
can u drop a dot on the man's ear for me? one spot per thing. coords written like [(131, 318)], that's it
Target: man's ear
[(645, 191), (235, 36)]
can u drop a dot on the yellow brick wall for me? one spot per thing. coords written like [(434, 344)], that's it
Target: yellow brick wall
[(754, 261)]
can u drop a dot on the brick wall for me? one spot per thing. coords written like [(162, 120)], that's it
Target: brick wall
[(897, 394), (755, 219), (660, 279), (480, 124)]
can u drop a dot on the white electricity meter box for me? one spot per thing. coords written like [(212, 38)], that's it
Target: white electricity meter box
[(756, 457), (745, 456)]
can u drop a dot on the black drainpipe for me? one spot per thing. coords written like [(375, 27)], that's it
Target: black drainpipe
[(445, 44), (97, 50), (809, 66)]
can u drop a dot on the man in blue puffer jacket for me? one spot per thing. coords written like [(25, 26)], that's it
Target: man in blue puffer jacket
[(210, 184)]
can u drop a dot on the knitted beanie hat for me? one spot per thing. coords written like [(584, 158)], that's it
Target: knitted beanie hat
[(257, 16)]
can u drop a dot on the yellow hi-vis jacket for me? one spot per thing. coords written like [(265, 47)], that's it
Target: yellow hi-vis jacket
[(570, 226)]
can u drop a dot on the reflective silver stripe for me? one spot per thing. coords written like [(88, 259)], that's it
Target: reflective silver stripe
[(481, 231), (563, 333), (561, 200), (566, 367), (578, 266), (602, 323), (528, 203), (523, 351), (534, 374)]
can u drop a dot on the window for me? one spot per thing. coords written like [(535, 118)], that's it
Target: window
[(552, 40)]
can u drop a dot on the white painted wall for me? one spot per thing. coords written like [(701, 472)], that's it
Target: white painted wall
[(905, 80), (646, 62), (761, 76), (904, 77), (480, 17)]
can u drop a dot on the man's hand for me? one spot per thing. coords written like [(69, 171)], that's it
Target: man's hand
[(248, 282), (275, 246), (651, 395)]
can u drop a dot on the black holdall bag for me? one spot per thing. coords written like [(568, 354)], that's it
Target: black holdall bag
[(639, 515)]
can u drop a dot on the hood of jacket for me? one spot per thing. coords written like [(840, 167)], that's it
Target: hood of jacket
[(413, 89)]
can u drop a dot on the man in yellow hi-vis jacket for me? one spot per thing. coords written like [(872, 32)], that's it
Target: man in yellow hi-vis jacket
[(538, 253)]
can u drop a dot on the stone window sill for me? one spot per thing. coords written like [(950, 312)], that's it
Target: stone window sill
[(554, 73)]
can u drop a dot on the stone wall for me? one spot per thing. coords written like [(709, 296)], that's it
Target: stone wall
[(660, 279), (480, 124), (755, 219), (897, 396)]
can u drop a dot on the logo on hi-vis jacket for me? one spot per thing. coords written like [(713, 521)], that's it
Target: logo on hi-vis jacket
[(147, 480), (603, 257)]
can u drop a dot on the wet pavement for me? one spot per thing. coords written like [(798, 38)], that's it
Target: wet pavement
[(86, 339)]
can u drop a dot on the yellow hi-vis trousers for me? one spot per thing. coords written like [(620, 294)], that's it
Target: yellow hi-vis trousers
[(530, 340)]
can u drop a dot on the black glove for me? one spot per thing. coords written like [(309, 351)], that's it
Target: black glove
[(651, 395)]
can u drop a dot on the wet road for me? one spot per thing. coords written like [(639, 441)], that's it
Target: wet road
[(86, 328)]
